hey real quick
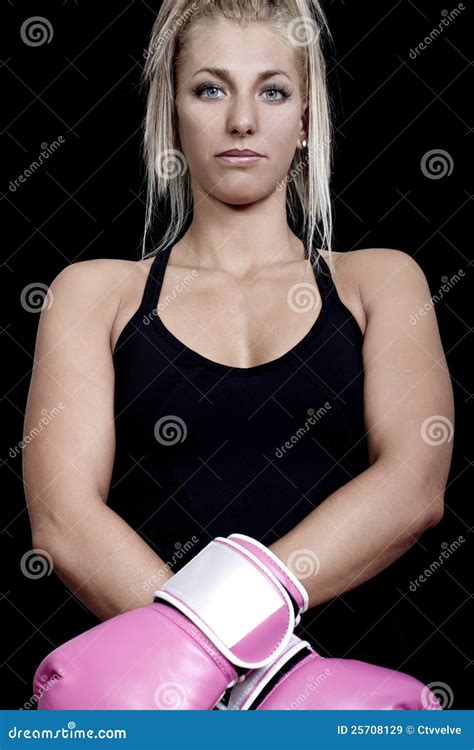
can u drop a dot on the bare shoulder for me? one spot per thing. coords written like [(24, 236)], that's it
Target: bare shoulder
[(100, 274), (383, 272), (347, 271), (376, 271), (100, 281), (93, 291)]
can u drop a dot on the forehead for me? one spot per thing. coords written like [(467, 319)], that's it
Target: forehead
[(244, 51)]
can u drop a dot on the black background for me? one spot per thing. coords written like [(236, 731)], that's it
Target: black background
[(87, 201)]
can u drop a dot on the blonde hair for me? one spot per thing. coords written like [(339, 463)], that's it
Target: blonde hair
[(300, 24)]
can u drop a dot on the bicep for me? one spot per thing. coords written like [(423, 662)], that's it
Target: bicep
[(68, 458), (409, 409)]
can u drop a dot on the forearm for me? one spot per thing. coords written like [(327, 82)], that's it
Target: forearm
[(356, 532), (103, 561)]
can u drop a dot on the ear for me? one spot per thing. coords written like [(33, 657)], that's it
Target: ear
[(304, 121)]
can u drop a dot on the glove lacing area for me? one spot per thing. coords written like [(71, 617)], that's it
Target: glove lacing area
[(277, 677)]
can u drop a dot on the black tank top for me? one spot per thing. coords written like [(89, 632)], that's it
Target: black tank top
[(204, 449)]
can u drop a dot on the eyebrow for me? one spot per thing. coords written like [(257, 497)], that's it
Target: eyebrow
[(225, 74)]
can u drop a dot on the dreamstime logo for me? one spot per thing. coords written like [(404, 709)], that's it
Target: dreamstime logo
[(447, 18), (437, 430), (447, 551), (437, 695), (293, 173), (36, 297), (313, 683), (170, 430), (171, 296), (170, 32), (309, 155), (313, 418), (304, 563), (302, 31), (171, 696), (448, 284), (47, 149), (71, 731), (46, 683), (303, 297), (36, 563), (171, 164), (36, 31), (436, 164), (46, 418)]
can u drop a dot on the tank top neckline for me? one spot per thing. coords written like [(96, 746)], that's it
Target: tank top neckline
[(151, 299)]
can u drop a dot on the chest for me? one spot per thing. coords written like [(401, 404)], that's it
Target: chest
[(240, 323), (237, 322)]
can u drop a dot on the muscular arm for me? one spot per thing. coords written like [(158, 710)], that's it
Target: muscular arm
[(372, 520), (67, 467)]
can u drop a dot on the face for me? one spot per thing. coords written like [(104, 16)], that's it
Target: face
[(232, 107)]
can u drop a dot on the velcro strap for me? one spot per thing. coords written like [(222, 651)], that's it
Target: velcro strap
[(234, 599), (281, 571), (244, 694)]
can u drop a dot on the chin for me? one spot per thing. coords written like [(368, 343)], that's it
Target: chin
[(238, 196)]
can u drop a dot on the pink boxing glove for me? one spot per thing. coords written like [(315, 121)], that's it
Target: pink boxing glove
[(219, 617), (301, 680)]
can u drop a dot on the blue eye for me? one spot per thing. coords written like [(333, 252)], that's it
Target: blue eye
[(206, 87), (209, 88), (284, 94), (199, 91)]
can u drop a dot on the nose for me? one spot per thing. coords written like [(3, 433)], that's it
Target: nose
[(241, 118)]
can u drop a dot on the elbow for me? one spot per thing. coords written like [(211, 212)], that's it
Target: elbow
[(48, 554), (436, 513), (43, 543), (431, 513)]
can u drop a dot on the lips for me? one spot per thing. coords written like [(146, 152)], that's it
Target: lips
[(237, 152)]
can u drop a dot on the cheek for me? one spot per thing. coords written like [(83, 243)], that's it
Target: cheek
[(282, 147), (200, 133), (281, 131)]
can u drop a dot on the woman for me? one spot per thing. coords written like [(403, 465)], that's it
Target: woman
[(240, 378)]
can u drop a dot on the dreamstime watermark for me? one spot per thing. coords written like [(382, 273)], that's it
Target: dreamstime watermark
[(302, 31), (170, 32), (170, 430), (447, 18), (171, 296), (70, 732), (46, 683), (170, 164), (36, 297), (170, 696), (46, 150), (36, 563), (36, 31), (314, 682), (437, 695), (46, 419), (436, 164), (437, 430), (308, 155), (303, 297), (304, 563), (314, 417), (447, 551), (447, 285), (181, 550), (293, 173)]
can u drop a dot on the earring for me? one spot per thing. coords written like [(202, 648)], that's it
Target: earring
[(304, 142)]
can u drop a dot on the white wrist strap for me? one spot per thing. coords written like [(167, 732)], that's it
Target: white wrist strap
[(236, 602)]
